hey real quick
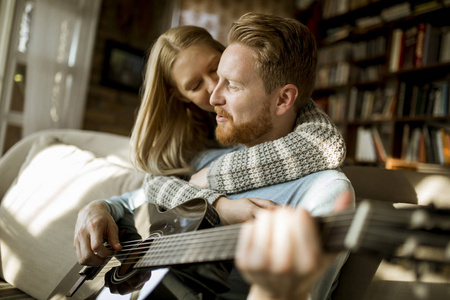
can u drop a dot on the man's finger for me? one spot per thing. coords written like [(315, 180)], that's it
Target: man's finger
[(113, 238)]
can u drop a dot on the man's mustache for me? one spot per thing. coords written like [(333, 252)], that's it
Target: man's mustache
[(222, 112)]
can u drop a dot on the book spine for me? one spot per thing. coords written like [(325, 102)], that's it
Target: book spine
[(396, 47), (418, 58)]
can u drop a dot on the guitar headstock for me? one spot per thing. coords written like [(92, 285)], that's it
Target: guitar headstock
[(418, 237)]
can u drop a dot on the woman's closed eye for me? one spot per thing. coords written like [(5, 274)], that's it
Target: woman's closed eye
[(195, 86)]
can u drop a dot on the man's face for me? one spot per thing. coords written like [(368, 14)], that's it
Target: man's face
[(244, 111)]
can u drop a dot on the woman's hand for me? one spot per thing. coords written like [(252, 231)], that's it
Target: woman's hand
[(93, 224), (233, 211), (199, 179)]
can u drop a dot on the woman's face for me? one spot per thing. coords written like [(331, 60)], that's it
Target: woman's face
[(194, 72)]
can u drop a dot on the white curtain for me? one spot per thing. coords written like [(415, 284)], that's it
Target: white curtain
[(59, 58)]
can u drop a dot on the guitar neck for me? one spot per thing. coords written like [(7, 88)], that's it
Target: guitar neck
[(358, 231), (219, 243)]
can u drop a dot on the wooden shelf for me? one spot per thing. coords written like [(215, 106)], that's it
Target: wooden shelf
[(398, 164)]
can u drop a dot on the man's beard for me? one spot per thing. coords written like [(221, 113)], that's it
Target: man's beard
[(246, 132)]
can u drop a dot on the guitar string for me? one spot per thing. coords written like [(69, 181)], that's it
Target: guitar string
[(163, 241), (166, 240)]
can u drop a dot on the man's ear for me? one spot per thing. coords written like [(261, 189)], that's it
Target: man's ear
[(287, 96)]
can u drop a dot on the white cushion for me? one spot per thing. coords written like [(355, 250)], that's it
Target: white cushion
[(39, 211)]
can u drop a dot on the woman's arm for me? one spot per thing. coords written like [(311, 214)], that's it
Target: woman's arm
[(315, 145), (170, 191)]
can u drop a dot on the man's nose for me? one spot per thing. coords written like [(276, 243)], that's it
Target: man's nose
[(216, 98)]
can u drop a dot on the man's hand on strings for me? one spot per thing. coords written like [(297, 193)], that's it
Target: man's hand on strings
[(94, 223)]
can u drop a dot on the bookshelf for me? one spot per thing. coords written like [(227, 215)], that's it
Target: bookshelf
[(384, 78)]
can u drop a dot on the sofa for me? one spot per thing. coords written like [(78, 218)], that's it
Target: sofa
[(48, 176), (44, 180)]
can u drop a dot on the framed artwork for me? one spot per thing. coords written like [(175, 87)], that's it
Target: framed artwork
[(122, 67)]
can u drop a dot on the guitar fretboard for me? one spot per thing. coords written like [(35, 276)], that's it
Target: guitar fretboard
[(214, 244)]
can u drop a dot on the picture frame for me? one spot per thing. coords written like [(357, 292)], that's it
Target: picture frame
[(122, 67)]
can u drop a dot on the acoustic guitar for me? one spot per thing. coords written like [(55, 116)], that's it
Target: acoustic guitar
[(183, 236)]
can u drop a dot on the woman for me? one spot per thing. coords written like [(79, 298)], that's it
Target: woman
[(175, 123)]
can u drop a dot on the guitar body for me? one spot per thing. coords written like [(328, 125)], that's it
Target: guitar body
[(200, 281), (187, 217)]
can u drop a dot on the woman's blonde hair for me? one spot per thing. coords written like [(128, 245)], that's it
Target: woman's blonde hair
[(168, 132)]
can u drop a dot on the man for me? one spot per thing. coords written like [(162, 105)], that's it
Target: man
[(266, 75)]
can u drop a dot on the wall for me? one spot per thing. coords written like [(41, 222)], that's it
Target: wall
[(137, 24)]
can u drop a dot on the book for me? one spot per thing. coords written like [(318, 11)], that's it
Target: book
[(380, 101), (379, 147), (436, 137), (401, 99), (421, 153), (444, 51), (396, 12), (423, 99), (420, 45), (429, 151), (389, 102), (445, 96), (446, 142), (396, 50), (412, 152), (405, 141), (431, 45), (424, 6), (413, 102), (352, 103), (409, 48), (365, 147), (367, 104)]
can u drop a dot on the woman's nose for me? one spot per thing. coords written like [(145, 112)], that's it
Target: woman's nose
[(211, 83)]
